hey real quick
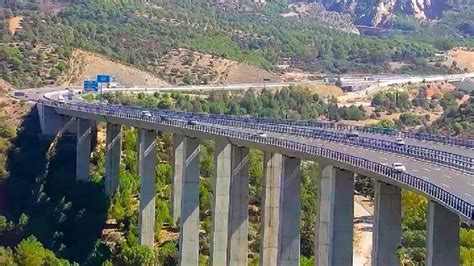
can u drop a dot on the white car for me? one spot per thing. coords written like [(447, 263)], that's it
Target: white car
[(262, 134), (146, 114), (400, 141), (399, 167)]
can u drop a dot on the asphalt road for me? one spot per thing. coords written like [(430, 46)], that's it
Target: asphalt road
[(456, 182)]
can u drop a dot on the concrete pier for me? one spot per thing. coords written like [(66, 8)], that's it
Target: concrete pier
[(113, 151), (189, 220), (290, 204), (220, 201), (272, 167), (335, 217), (147, 164), (387, 228), (239, 212), (179, 158), (443, 236), (83, 149)]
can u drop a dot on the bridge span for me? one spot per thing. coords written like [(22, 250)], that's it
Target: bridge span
[(441, 170)]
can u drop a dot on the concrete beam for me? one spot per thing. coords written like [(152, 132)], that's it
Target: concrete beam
[(387, 228), (289, 242), (83, 149), (147, 172), (189, 220), (221, 201), (443, 236), (239, 212), (272, 167), (335, 217), (50, 122), (179, 159), (113, 151)]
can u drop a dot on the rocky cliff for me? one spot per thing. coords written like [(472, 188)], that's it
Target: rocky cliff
[(380, 12)]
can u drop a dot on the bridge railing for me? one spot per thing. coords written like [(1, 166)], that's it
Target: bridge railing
[(446, 158), (465, 208), (442, 157), (345, 127)]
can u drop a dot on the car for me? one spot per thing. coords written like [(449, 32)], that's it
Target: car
[(353, 134), (164, 118), (400, 141), (262, 134), (192, 122), (146, 114), (399, 167)]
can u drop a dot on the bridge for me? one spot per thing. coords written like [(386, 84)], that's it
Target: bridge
[(440, 168)]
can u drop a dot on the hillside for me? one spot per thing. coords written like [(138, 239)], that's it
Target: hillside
[(144, 34), (85, 65), (382, 12)]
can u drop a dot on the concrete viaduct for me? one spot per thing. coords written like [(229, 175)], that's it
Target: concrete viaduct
[(281, 207)]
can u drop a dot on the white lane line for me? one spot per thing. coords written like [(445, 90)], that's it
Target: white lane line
[(415, 170), (425, 169), (383, 158), (467, 194), (449, 177), (437, 169), (444, 185)]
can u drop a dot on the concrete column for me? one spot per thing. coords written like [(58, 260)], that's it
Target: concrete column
[(113, 151), (387, 227), (178, 146), (443, 236), (147, 172), (239, 208), (272, 167), (189, 220), (221, 201), (83, 149), (335, 217), (289, 242)]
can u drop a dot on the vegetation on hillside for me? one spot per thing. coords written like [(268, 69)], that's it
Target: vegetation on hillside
[(139, 33)]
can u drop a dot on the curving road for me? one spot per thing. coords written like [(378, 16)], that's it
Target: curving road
[(458, 184)]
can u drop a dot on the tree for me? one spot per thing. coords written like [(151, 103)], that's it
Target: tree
[(31, 252)]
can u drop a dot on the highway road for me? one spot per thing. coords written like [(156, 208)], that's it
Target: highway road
[(451, 180), (459, 183)]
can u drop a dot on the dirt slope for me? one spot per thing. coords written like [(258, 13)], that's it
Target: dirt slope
[(86, 65), (464, 58), (183, 66)]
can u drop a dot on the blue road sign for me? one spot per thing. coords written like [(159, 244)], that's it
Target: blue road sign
[(91, 85), (103, 78)]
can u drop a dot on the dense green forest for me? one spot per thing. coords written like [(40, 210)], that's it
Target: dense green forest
[(140, 33)]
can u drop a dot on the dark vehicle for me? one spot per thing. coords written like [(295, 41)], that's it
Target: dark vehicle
[(353, 134), (164, 118), (192, 122)]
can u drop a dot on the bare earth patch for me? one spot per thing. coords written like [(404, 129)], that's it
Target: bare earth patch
[(464, 58), (14, 23), (324, 90), (86, 65), (183, 66)]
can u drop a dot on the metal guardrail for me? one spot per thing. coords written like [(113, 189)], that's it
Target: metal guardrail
[(446, 158), (465, 208)]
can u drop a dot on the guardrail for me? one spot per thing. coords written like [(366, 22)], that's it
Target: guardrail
[(450, 159), (463, 207)]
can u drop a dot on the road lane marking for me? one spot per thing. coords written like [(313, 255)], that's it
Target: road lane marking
[(467, 194), (415, 170), (383, 158), (450, 177), (444, 185), (427, 170), (437, 169)]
